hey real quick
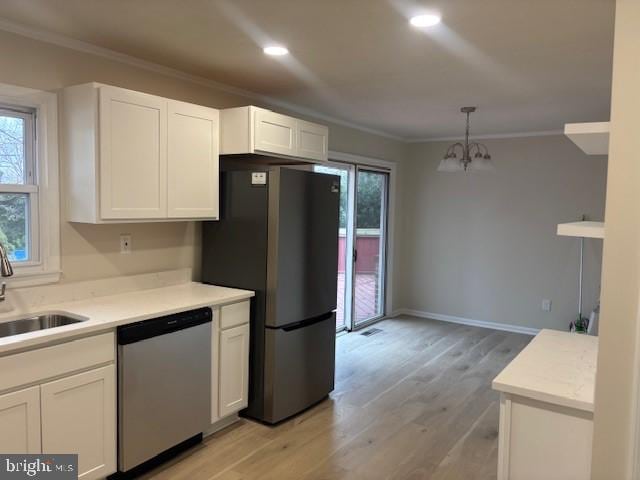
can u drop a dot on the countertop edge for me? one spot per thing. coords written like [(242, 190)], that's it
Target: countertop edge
[(542, 396), (71, 332)]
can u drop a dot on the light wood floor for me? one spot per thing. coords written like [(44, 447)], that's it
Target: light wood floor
[(412, 402)]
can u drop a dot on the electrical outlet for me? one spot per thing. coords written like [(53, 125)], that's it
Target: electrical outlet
[(546, 305), (125, 243)]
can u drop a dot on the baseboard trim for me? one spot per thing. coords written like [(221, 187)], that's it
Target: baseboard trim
[(395, 313), (468, 321)]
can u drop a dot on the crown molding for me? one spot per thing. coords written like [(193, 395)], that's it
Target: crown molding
[(541, 133), (85, 47)]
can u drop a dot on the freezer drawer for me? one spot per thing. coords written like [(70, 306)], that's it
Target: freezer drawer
[(299, 367)]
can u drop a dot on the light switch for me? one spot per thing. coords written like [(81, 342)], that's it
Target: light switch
[(546, 305)]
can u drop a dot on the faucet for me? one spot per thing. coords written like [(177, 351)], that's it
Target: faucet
[(6, 270)]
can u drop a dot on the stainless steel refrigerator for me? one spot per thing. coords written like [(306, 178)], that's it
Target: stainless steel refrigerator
[(278, 235)]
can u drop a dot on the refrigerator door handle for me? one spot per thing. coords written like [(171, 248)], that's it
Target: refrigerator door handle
[(308, 322)]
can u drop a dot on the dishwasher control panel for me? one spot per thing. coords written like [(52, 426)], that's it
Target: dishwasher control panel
[(138, 331)]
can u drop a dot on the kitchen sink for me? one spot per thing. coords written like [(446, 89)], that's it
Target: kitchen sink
[(38, 322)]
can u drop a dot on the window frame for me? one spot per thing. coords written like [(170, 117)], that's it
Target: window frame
[(41, 184), (30, 186)]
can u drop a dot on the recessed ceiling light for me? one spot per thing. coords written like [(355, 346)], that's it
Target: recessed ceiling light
[(428, 20), (275, 50)]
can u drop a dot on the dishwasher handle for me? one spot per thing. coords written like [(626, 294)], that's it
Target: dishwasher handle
[(139, 331)]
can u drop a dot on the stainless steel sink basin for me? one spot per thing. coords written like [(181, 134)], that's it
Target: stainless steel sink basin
[(37, 322)]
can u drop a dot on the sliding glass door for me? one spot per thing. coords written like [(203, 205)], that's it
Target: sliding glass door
[(370, 245), (362, 243)]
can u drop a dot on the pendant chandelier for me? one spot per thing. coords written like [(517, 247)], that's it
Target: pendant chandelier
[(462, 157)]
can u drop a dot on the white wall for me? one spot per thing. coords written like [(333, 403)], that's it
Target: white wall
[(483, 245), (90, 251)]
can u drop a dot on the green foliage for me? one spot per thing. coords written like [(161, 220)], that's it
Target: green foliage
[(13, 221), (370, 191)]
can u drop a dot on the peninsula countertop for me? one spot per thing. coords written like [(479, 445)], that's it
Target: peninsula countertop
[(556, 367)]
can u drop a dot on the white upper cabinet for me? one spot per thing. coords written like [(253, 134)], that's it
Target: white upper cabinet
[(192, 161), (252, 129), (313, 141), (274, 133), (134, 157)]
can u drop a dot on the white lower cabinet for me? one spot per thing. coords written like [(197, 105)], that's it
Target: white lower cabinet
[(539, 440), (20, 421), (76, 413), (234, 369), (79, 416), (230, 367)]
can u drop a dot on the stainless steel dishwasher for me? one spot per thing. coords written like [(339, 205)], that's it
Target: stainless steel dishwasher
[(164, 385)]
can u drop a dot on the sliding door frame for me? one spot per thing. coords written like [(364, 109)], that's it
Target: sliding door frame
[(349, 264), (339, 159), (384, 213)]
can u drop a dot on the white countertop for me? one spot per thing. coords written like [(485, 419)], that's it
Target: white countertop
[(556, 367), (109, 311)]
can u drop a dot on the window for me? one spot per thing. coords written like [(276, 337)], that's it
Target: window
[(18, 185), (29, 196)]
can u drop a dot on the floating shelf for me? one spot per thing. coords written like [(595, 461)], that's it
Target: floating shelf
[(582, 229), (592, 138)]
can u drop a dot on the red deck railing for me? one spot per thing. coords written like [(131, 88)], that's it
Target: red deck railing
[(368, 246)]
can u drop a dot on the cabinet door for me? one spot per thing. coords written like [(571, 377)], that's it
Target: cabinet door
[(234, 369), (20, 421), (274, 133), (313, 141), (192, 161), (79, 416), (133, 155)]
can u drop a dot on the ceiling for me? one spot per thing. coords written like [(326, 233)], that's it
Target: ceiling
[(529, 65)]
